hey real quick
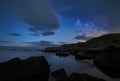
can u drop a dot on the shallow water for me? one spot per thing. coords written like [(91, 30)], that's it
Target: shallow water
[(56, 62)]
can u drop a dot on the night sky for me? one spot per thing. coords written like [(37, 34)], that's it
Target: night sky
[(44, 23)]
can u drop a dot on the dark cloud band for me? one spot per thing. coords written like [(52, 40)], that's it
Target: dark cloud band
[(42, 44), (38, 13), (47, 33), (83, 37), (14, 34)]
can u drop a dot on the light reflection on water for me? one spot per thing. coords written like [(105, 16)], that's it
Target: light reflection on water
[(56, 62)]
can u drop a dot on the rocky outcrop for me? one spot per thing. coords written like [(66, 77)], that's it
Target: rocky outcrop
[(109, 61), (31, 69), (80, 56), (59, 75), (89, 49), (96, 43), (82, 77), (62, 54), (52, 49), (104, 41)]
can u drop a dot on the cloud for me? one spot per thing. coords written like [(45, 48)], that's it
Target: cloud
[(14, 34), (37, 13), (33, 29), (3, 41), (42, 44), (2, 47), (35, 34), (62, 42), (104, 14), (47, 33), (83, 37), (91, 33)]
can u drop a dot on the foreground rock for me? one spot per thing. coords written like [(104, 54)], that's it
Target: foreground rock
[(31, 69), (82, 77), (109, 61), (59, 75)]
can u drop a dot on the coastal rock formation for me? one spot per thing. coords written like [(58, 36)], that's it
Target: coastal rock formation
[(52, 49), (104, 41), (59, 75), (31, 69), (96, 43), (62, 54), (82, 77), (80, 55), (109, 61)]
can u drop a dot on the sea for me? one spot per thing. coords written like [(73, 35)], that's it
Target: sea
[(69, 63)]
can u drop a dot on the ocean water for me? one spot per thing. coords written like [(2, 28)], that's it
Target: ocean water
[(68, 63)]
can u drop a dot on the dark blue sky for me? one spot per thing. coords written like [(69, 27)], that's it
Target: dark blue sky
[(49, 22)]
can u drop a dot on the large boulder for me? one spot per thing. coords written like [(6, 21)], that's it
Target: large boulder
[(111, 50), (31, 69), (59, 75), (80, 56), (82, 77), (109, 61)]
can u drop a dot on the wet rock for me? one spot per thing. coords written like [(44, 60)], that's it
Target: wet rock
[(64, 54), (111, 49), (31, 69), (52, 49), (82, 77), (109, 61), (59, 75), (91, 54), (80, 56)]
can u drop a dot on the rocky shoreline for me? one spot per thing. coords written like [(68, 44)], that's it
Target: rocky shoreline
[(104, 50), (61, 75), (106, 59), (37, 69)]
